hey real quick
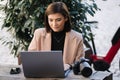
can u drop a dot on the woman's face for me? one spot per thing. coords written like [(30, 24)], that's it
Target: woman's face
[(56, 22)]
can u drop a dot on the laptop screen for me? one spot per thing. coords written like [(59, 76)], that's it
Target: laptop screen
[(43, 64)]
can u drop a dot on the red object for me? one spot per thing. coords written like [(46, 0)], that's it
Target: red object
[(110, 55), (103, 63), (112, 52), (95, 58)]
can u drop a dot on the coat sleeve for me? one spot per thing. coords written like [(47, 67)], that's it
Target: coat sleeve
[(34, 44), (80, 50)]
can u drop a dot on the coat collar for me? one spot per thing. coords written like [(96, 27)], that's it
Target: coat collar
[(68, 38)]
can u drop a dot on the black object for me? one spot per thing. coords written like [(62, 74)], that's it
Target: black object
[(82, 67), (15, 71), (101, 65), (91, 35), (116, 37)]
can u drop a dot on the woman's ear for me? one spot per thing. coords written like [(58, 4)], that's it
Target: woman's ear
[(66, 19)]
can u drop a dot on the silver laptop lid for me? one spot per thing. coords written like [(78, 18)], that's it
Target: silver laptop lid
[(46, 64)]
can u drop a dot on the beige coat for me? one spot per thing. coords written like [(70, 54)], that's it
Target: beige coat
[(73, 46)]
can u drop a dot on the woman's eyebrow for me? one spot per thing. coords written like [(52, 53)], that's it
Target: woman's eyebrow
[(55, 18)]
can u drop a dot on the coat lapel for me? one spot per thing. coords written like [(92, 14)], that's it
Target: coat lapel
[(47, 41), (68, 40), (67, 46)]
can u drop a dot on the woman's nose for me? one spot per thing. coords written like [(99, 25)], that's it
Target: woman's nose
[(54, 23)]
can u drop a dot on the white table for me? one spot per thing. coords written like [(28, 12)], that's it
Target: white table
[(5, 75)]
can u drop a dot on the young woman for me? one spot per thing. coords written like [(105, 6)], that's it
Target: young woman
[(57, 34)]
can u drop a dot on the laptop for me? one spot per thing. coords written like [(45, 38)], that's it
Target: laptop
[(43, 64)]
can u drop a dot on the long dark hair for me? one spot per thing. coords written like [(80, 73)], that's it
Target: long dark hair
[(57, 7)]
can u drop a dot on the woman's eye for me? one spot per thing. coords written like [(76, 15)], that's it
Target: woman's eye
[(59, 19), (50, 20)]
